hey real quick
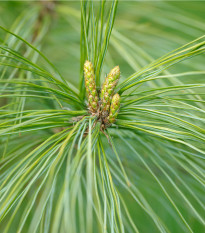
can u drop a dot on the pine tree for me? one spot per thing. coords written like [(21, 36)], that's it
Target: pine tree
[(124, 156)]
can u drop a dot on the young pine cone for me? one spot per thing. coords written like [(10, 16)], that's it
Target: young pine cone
[(114, 108), (108, 88), (90, 86)]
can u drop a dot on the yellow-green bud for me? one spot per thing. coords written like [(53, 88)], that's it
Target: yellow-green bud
[(114, 108), (108, 88), (90, 86)]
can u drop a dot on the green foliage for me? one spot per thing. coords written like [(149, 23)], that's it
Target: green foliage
[(60, 170)]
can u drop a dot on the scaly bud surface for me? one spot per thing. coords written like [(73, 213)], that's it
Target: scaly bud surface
[(90, 86), (114, 108), (108, 88)]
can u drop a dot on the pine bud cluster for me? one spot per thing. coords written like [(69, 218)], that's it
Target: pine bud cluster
[(109, 103)]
